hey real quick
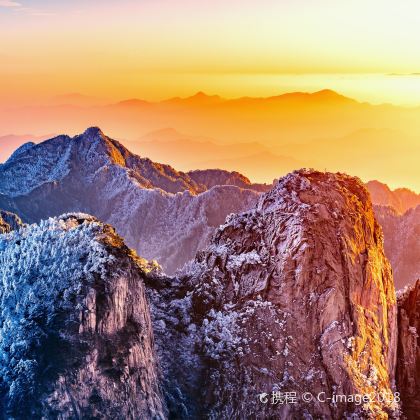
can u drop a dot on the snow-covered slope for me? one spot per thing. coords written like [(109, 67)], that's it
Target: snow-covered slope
[(162, 213), (75, 332), (292, 296), (32, 165)]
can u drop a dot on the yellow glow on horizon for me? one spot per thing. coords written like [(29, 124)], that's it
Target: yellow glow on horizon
[(157, 49)]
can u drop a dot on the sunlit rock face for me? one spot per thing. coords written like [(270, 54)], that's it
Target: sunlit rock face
[(296, 295), (408, 365), (75, 333), (9, 221), (162, 213)]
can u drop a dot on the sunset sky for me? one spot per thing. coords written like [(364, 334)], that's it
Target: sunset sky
[(66, 65), (155, 49)]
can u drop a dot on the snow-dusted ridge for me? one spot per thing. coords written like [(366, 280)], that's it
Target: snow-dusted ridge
[(163, 213), (75, 329)]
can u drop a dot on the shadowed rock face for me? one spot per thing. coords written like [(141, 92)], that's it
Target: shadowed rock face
[(408, 364), (402, 242), (162, 213), (294, 295), (75, 331)]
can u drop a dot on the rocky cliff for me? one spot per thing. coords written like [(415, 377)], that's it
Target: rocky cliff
[(294, 295), (75, 333), (287, 313), (408, 365), (402, 242), (162, 213)]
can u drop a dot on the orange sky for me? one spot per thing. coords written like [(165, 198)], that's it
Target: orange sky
[(157, 49)]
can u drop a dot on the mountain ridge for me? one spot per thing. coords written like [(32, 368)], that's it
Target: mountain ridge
[(162, 213)]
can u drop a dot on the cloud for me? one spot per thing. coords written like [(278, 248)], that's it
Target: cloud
[(34, 12), (9, 3), (19, 8), (403, 74)]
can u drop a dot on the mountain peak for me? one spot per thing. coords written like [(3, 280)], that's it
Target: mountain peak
[(201, 94), (329, 94), (309, 255), (93, 132), (203, 97)]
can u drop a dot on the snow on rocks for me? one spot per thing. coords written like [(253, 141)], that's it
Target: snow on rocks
[(162, 213), (298, 284), (75, 329)]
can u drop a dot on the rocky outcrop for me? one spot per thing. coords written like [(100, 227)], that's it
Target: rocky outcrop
[(162, 213), (408, 364), (9, 221), (289, 312), (402, 244), (292, 296), (212, 177), (75, 331)]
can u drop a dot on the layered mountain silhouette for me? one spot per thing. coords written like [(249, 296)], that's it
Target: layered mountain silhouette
[(186, 152), (323, 130), (401, 199), (293, 295)]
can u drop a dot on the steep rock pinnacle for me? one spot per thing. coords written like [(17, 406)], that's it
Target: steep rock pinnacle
[(297, 296)]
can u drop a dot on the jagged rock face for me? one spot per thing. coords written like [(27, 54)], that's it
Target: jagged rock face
[(401, 199), (402, 244), (157, 209), (9, 222), (296, 295), (213, 177), (408, 362), (75, 331)]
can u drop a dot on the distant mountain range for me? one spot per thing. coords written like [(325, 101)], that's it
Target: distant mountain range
[(402, 242), (187, 152), (401, 199), (272, 136)]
